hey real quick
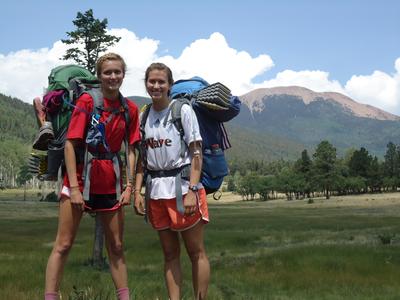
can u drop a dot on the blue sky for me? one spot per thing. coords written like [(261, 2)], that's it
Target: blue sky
[(350, 46)]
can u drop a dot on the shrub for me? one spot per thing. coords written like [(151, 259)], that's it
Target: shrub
[(386, 238), (51, 197)]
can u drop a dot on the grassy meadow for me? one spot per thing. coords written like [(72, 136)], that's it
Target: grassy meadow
[(342, 248)]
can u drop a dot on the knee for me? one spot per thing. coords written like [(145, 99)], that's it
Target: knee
[(171, 254), (116, 248), (197, 254), (63, 247)]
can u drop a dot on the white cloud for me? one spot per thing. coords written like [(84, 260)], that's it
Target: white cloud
[(138, 54), (378, 89), (214, 60), (317, 81), (23, 74)]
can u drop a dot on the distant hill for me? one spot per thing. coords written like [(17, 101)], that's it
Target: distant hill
[(306, 117), (139, 101), (255, 100)]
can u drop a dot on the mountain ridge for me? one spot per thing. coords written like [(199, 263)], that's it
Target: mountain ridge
[(254, 100)]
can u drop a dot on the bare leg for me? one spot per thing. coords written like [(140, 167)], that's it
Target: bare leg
[(68, 223), (172, 266), (113, 223), (194, 243)]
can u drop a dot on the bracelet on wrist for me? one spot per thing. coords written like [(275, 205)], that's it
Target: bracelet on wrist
[(74, 186)]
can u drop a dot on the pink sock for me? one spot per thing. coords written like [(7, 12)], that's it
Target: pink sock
[(123, 293), (51, 296)]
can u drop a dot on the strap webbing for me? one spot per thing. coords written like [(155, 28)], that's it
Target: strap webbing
[(87, 170), (179, 173)]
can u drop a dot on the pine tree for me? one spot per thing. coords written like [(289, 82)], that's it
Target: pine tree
[(91, 34), (325, 166)]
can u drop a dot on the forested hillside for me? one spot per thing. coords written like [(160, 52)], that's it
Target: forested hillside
[(17, 130)]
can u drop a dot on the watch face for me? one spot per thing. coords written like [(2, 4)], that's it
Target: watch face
[(194, 188)]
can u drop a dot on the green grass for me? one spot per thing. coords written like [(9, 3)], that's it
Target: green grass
[(257, 250)]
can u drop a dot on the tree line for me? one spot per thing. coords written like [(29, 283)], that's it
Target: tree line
[(322, 173)]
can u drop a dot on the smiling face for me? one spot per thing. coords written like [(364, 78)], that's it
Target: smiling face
[(158, 86), (111, 76)]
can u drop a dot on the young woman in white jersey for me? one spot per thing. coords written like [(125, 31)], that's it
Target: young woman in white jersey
[(162, 149)]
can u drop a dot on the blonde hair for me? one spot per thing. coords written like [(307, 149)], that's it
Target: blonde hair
[(109, 56)]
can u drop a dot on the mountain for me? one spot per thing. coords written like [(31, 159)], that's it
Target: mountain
[(307, 117), (140, 101), (255, 101)]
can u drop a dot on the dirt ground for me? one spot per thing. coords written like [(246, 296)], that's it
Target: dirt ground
[(365, 200)]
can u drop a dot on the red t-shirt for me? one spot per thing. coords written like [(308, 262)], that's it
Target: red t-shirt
[(102, 179)]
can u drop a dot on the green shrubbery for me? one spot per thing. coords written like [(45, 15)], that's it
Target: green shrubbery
[(322, 174)]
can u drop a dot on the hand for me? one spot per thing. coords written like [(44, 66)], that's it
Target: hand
[(77, 199), (126, 196), (190, 203), (139, 204)]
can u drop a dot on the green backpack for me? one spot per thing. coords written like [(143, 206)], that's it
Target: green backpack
[(75, 80)]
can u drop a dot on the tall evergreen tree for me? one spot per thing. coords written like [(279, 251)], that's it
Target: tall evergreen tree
[(391, 163), (360, 162), (374, 175), (324, 166), (91, 39), (303, 169)]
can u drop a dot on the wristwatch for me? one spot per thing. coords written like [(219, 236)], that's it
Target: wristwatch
[(193, 188)]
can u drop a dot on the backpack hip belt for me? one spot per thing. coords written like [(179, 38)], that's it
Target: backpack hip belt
[(104, 155), (179, 173)]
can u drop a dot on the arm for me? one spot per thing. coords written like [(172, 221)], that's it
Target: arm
[(190, 203), (126, 195), (70, 163), (138, 198)]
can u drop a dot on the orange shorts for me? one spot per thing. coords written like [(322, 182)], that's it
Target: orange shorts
[(163, 214)]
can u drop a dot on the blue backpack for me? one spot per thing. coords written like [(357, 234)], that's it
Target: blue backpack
[(213, 105)]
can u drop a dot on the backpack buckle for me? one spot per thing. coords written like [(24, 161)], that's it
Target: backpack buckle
[(95, 119)]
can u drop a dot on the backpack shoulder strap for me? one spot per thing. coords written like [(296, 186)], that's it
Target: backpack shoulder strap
[(142, 147), (98, 99), (125, 107), (176, 119), (124, 104), (145, 114)]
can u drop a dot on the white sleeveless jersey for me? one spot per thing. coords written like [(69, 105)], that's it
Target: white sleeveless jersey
[(164, 148)]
